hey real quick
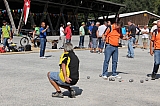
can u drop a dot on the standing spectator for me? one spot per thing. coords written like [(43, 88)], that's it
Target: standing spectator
[(82, 35), (62, 35), (90, 35), (145, 36), (0, 34), (131, 34), (124, 32), (138, 32), (35, 36), (6, 34), (155, 42), (94, 38), (154, 27), (112, 36), (100, 32), (68, 33), (43, 34), (109, 23), (69, 72)]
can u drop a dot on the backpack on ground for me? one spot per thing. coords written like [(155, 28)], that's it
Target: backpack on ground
[(2, 50)]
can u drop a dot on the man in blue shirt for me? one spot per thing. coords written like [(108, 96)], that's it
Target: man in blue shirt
[(90, 33), (43, 40), (94, 38)]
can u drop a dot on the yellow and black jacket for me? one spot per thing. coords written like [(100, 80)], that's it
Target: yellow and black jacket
[(72, 66)]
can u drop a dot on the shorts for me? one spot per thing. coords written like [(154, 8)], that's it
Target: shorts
[(55, 77), (137, 37), (94, 43), (145, 40)]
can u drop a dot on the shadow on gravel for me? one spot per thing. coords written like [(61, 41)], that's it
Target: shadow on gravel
[(49, 56), (77, 90), (157, 76)]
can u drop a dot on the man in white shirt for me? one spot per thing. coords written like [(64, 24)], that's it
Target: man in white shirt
[(154, 27), (62, 35), (145, 36), (100, 32)]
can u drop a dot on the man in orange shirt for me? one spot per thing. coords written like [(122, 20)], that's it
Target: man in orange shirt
[(155, 42), (111, 37)]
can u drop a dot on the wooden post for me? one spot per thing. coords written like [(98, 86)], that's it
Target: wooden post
[(32, 19), (44, 13), (59, 19), (20, 22), (10, 16), (50, 24)]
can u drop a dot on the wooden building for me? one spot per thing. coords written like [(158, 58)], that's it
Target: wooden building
[(139, 18), (55, 12)]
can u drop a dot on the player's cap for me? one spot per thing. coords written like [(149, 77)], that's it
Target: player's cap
[(68, 23), (155, 22)]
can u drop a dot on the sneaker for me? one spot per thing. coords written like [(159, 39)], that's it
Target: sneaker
[(58, 95), (43, 58), (72, 93), (104, 77), (153, 76), (117, 76)]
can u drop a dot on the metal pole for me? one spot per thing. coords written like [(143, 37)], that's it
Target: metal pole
[(10, 16)]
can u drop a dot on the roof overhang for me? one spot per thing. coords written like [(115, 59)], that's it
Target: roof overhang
[(88, 5), (131, 14)]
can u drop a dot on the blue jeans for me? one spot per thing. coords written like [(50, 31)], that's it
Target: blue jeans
[(42, 46), (101, 43), (130, 47), (5, 42), (81, 42), (156, 61), (110, 51)]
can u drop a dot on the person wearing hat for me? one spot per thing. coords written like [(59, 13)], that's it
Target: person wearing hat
[(68, 32), (94, 38), (154, 27), (5, 34), (62, 36), (82, 35)]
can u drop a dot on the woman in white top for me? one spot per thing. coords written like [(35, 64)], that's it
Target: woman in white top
[(62, 35), (145, 36)]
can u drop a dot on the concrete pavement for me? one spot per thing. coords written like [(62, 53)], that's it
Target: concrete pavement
[(23, 80)]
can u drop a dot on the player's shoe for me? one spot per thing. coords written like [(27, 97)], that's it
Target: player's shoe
[(58, 95), (105, 77), (117, 76), (72, 93), (153, 76)]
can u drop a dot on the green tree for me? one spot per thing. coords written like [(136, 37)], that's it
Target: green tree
[(139, 5)]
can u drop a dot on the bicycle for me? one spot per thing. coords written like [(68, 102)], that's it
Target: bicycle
[(25, 40)]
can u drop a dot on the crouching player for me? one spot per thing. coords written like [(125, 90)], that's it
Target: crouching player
[(69, 72)]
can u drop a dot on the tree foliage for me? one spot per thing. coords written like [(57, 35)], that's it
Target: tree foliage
[(139, 5)]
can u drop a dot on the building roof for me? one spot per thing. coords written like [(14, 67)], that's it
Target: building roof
[(106, 1), (131, 14)]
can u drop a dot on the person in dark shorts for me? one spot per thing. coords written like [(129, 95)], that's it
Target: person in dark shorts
[(69, 72)]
